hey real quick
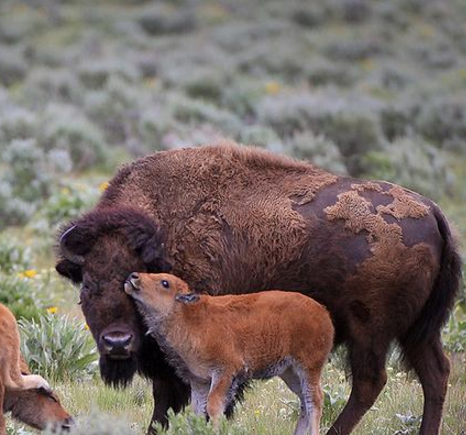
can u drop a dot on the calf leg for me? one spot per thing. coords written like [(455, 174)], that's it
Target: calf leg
[(2, 417), (313, 399), (199, 394), (293, 382), (12, 377), (433, 369), (369, 378), (218, 396)]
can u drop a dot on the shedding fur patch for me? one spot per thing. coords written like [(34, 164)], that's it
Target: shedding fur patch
[(358, 216), (368, 185), (403, 205), (385, 240), (356, 212), (392, 264)]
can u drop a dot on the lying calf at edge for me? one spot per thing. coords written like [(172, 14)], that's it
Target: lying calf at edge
[(216, 343), (37, 408), (28, 397)]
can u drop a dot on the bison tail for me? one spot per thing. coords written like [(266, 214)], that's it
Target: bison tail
[(437, 309)]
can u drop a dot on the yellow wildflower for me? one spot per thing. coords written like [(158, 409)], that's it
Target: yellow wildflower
[(367, 64), (86, 327), (104, 186), (426, 30), (65, 191), (150, 82), (257, 411), (272, 88), (52, 310), (462, 73), (31, 273)]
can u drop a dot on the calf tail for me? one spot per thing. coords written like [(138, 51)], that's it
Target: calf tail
[(437, 309)]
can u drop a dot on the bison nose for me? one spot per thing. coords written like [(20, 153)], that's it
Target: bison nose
[(117, 344)]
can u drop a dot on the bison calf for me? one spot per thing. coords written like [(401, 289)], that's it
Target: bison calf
[(20, 391), (37, 408), (218, 343)]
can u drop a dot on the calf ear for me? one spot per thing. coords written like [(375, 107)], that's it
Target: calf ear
[(189, 298), (70, 270)]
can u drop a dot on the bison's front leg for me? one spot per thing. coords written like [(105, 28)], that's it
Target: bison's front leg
[(169, 392)]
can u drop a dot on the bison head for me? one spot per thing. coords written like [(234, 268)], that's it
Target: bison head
[(98, 252)]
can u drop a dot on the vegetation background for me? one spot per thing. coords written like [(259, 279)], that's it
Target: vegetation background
[(367, 88)]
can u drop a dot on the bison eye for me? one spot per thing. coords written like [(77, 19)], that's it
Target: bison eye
[(165, 283)]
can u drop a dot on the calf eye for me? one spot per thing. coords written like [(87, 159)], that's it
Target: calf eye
[(165, 283)]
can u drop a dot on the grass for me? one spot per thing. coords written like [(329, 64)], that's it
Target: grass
[(270, 408)]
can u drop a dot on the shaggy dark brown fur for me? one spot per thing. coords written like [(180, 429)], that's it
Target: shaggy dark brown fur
[(381, 258)]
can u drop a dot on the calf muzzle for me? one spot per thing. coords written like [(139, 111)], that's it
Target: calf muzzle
[(67, 424)]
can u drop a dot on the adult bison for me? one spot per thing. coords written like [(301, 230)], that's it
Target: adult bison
[(227, 219)]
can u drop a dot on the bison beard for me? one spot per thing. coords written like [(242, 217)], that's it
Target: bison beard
[(117, 373), (232, 219)]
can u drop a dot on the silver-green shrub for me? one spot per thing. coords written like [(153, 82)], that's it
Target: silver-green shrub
[(57, 347), (14, 256), (189, 423), (23, 295), (319, 150), (17, 123), (66, 128), (413, 163), (98, 424)]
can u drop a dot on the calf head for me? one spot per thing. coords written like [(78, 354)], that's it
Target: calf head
[(98, 252), (37, 408), (158, 294)]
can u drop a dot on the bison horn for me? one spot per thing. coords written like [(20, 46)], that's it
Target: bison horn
[(74, 258)]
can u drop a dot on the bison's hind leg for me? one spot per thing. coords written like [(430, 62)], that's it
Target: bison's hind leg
[(369, 377), (433, 369)]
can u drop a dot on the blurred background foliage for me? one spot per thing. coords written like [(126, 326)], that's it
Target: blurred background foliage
[(367, 88)]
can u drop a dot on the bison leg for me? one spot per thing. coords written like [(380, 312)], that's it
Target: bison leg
[(433, 369), (168, 393), (369, 378)]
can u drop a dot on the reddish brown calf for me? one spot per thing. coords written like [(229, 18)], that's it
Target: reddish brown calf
[(36, 408), (11, 378), (216, 343)]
